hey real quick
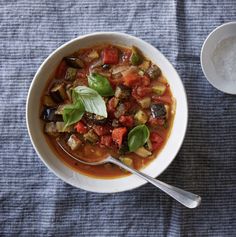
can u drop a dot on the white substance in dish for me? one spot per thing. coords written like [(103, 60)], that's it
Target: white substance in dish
[(224, 59)]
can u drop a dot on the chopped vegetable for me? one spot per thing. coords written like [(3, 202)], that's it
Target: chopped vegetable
[(58, 92), (120, 110), (106, 140), (141, 151), (145, 65), (159, 88), (71, 74), (156, 140), (49, 115), (50, 129), (131, 79), (74, 142), (93, 54), (158, 111), (127, 161), (127, 121), (154, 72), (141, 117), (145, 102), (74, 62), (101, 130), (115, 123), (112, 104), (136, 56), (110, 55), (81, 128), (91, 136), (47, 101), (122, 92), (118, 135), (60, 126)]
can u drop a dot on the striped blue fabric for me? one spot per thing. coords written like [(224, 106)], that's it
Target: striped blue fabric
[(33, 202)]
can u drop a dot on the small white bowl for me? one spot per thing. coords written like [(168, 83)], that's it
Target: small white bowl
[(77, 179), (210, 71)]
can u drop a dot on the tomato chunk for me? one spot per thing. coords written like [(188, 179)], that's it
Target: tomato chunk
[(110, 56), (127, 121), (61, 70), (81, 128), (106, 140), (156, 121), (101, 130), (164, 99), (131, 79), (118, 135), (156, 140)]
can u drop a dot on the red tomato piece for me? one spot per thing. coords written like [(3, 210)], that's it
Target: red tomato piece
[(131, 79), (106, 140), (162, 99), (127, 121), (110, 55), (145, 81), (143, 91), (155, 122), (61, 70), (112, 104), (118, 135), (101, 130), (156, 140), (81, 128)]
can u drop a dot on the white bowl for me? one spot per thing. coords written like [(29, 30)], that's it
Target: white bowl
[(165, 157), (220, 82)]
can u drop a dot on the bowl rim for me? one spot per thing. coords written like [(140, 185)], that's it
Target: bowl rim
[(35, 78), (202, 51)]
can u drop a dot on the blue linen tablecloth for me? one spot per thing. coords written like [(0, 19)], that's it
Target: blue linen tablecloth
[(33, 202)]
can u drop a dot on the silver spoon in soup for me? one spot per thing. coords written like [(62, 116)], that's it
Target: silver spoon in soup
[(186, 198)]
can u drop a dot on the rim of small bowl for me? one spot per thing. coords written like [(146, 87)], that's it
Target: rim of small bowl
[(142, 182), (210, 35)]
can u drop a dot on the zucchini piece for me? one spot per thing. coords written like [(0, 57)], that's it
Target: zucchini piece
[(127, 161), (74, 142), (141, 117), (93, 54), (50, 129), (91, 136), (58, 93), (145, 65), (141, 151), (159, 89), (74, 62), (71, 74), (145, 102), (136, 56), (154, 72)]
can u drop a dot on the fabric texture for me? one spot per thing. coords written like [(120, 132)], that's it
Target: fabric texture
[(33, 202)]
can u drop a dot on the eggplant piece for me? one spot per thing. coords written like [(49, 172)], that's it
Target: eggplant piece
[(106, 66), (47, 101), (154, 72), (49, 115), (122, 92), (96, 119), (74, 62), (58, 93), (115, 123), (158, 111), (71, 74)]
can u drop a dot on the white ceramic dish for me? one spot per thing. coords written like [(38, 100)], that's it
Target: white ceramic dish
[(77, 179), (221, 33)]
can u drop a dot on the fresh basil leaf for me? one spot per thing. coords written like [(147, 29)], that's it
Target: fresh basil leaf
[(92, 101), (72, 113), (137, 137), (100, 84)]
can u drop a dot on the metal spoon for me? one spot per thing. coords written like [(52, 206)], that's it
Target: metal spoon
[(186, 198)]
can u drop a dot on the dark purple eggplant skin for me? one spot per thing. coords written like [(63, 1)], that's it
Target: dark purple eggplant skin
[(56, 96), (48, 115), (74, 62), (91, 118), (158, 111)]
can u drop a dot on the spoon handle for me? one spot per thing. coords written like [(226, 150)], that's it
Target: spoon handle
[(186, 198)]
